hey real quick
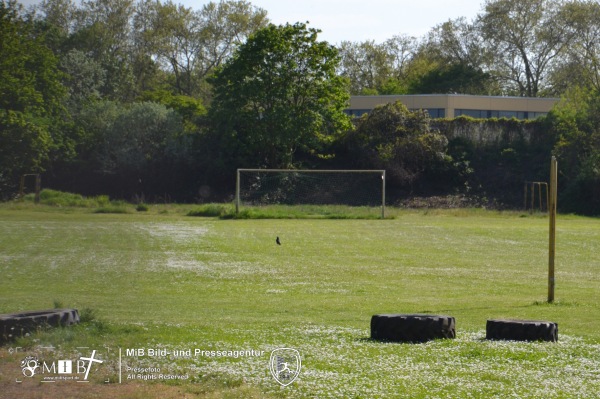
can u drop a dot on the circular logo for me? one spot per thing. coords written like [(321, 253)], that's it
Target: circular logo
[(29, 365)]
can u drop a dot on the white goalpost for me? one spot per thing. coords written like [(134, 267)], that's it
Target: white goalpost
[(354, 188)]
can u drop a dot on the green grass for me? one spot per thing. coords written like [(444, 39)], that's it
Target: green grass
[(63, 199), (228, 211), (163, 279)]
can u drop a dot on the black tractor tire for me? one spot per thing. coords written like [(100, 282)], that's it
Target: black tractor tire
[(13, 325), (521, 330), (415, 328)]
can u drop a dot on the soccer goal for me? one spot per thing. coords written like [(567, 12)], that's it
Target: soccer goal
[(306, 188)]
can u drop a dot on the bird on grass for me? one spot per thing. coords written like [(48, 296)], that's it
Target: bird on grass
[(277, 241)]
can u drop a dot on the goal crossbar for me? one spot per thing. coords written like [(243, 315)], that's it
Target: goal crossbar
[(345, 171)]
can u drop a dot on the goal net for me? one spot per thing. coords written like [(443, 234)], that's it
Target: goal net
[(312, 190)]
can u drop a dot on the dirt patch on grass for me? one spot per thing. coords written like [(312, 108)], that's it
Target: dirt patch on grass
[(36, 390)]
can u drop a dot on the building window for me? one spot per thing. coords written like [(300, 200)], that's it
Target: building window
[(433, 112), (486, 114)]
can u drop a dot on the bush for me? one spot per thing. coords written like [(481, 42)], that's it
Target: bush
[(60, 199), (402, 142), (212, 210)]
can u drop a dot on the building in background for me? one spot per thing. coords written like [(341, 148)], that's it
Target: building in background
[(453, 105)]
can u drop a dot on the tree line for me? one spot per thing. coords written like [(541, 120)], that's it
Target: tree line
[(152, 99), (531, 48)]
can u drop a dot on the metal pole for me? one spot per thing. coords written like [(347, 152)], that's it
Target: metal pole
[(540, 195), (22, 187), (552, 236), (237, 193), (532, 197), (547, 198), (383, 195), (38, 187)]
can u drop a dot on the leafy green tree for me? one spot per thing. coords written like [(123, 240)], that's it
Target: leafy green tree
[(24, 148), (59, 14), (452, 78), (29, 77), (576, 123), (189, 44), (225, 26), (526, 37), (402, 142), (31, 96), (171, 33), (130, 140), (134, 150), (103, 32), (278, 97), (84, 79), (191, 110), (458, 42), (580, 66), (455, 59), (366, 65), (375, 68)]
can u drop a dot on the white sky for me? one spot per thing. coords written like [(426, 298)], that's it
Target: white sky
[(359, 20)]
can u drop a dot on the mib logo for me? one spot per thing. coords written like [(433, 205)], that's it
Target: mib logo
[(31, 366), (285, 365)]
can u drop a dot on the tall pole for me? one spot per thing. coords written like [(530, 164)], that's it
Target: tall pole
[(237, 192), (38, 187), (552, 212), (383, 194)]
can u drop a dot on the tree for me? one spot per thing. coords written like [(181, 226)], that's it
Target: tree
[(576, 123), (84, 79), (24, 148), (190, 44), (400, 141), (171, 33), (456, 59), (580, 66), (225, 26), (29, 77), (128, 140), (279, 96), (60, 14), (377, 68), (457, 41), (30, 99), (526, 37), (452, 78), (366, 65), (103, 32), (190, 109), (400, 49)]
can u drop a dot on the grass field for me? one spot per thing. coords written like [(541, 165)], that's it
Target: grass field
[(161, 279)]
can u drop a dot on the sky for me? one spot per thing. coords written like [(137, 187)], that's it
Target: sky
[(359, 20), (362, 20)]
